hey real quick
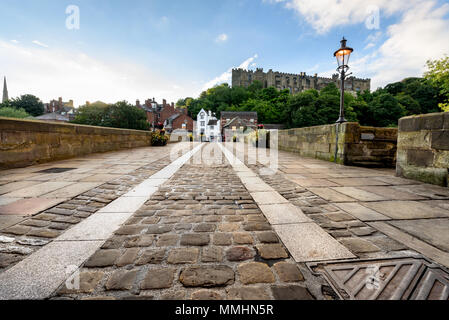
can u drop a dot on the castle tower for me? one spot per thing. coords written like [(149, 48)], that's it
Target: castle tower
[(5, 91)]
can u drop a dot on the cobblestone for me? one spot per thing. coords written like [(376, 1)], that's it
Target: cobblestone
[(255, 272), (207, 276)]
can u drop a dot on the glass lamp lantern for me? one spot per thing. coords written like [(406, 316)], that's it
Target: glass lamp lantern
[(343, 54)]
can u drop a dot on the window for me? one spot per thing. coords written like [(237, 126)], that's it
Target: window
[(203, 123), (202, 116), (184, 125), (212, 127)]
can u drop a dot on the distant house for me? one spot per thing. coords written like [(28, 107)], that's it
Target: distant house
[(207, 126), (166, 115), (65, 109), (237, 121), (53, 117)]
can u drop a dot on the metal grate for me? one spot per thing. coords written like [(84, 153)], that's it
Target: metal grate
[(393, 279)]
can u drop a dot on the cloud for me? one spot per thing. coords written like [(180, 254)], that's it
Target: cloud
[(324, 15), (414, 39), (222, 38), (15, 41), (36, 42), (74, 75), (418, 34), (227, 76)]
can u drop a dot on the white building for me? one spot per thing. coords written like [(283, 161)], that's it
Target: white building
[(207, 126)]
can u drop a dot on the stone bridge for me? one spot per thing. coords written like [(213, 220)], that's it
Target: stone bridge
[(215, 221)]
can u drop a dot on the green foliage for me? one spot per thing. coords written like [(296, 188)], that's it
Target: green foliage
[(9, 112), (118, 115), (313, 108), (382, 107), (31, 104), (438, 75), (384, 111)]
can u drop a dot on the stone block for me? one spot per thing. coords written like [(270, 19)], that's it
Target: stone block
[(440, 140), (421, 158)]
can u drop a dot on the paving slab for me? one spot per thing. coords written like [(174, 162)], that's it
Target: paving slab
[(37, 276), (268, 198), (102, 177), (73, 190), (258, 187), (99, 226), (361, 212), (432, 231), (141, 191), (391, 193), (28, 207), (427, 190), (412, 242), (124, 204), (396, 181), (359, 194), (404, 210), (5, 201), (331, 195), (315, 183), (13, 186), (284, 214), (308, 242), (355, 182), (444, 204), (37, 190)]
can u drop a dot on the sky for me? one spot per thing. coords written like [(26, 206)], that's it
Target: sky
[(113, 50)]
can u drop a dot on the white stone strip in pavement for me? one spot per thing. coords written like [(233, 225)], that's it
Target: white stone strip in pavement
[(305, 240), (41, 273)]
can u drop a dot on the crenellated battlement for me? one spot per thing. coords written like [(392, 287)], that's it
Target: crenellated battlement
[(294, 82)]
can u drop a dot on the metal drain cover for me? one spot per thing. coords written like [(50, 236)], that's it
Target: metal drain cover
[(393, 279), (56, 170)]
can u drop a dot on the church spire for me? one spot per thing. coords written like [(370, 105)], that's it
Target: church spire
[(5, 91)]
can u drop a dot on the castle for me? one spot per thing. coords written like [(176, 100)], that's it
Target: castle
[(295, 82)]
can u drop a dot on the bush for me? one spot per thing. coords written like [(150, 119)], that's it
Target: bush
[(158, 139), (9, 112)]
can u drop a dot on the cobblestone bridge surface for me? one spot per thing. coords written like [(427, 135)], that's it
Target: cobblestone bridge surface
[(142, 225)]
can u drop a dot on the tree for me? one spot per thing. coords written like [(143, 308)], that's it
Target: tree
[(126, 116), (384, 111), (438, 74), (31, 104), (91, 115), (9, 112), (118, 115), (410, 105)]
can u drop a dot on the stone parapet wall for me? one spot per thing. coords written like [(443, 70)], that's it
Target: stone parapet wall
[(357, 145), (27, 142), (423, 148)]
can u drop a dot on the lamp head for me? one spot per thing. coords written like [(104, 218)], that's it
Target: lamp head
[(343, 54)]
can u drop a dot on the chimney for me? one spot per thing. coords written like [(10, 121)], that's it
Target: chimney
[(138, 103), (173, 105), (164, 102)]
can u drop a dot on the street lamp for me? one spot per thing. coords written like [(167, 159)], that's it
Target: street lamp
[(342, 56)]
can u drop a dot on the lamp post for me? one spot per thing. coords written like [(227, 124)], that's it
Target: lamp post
[(342, 56)]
